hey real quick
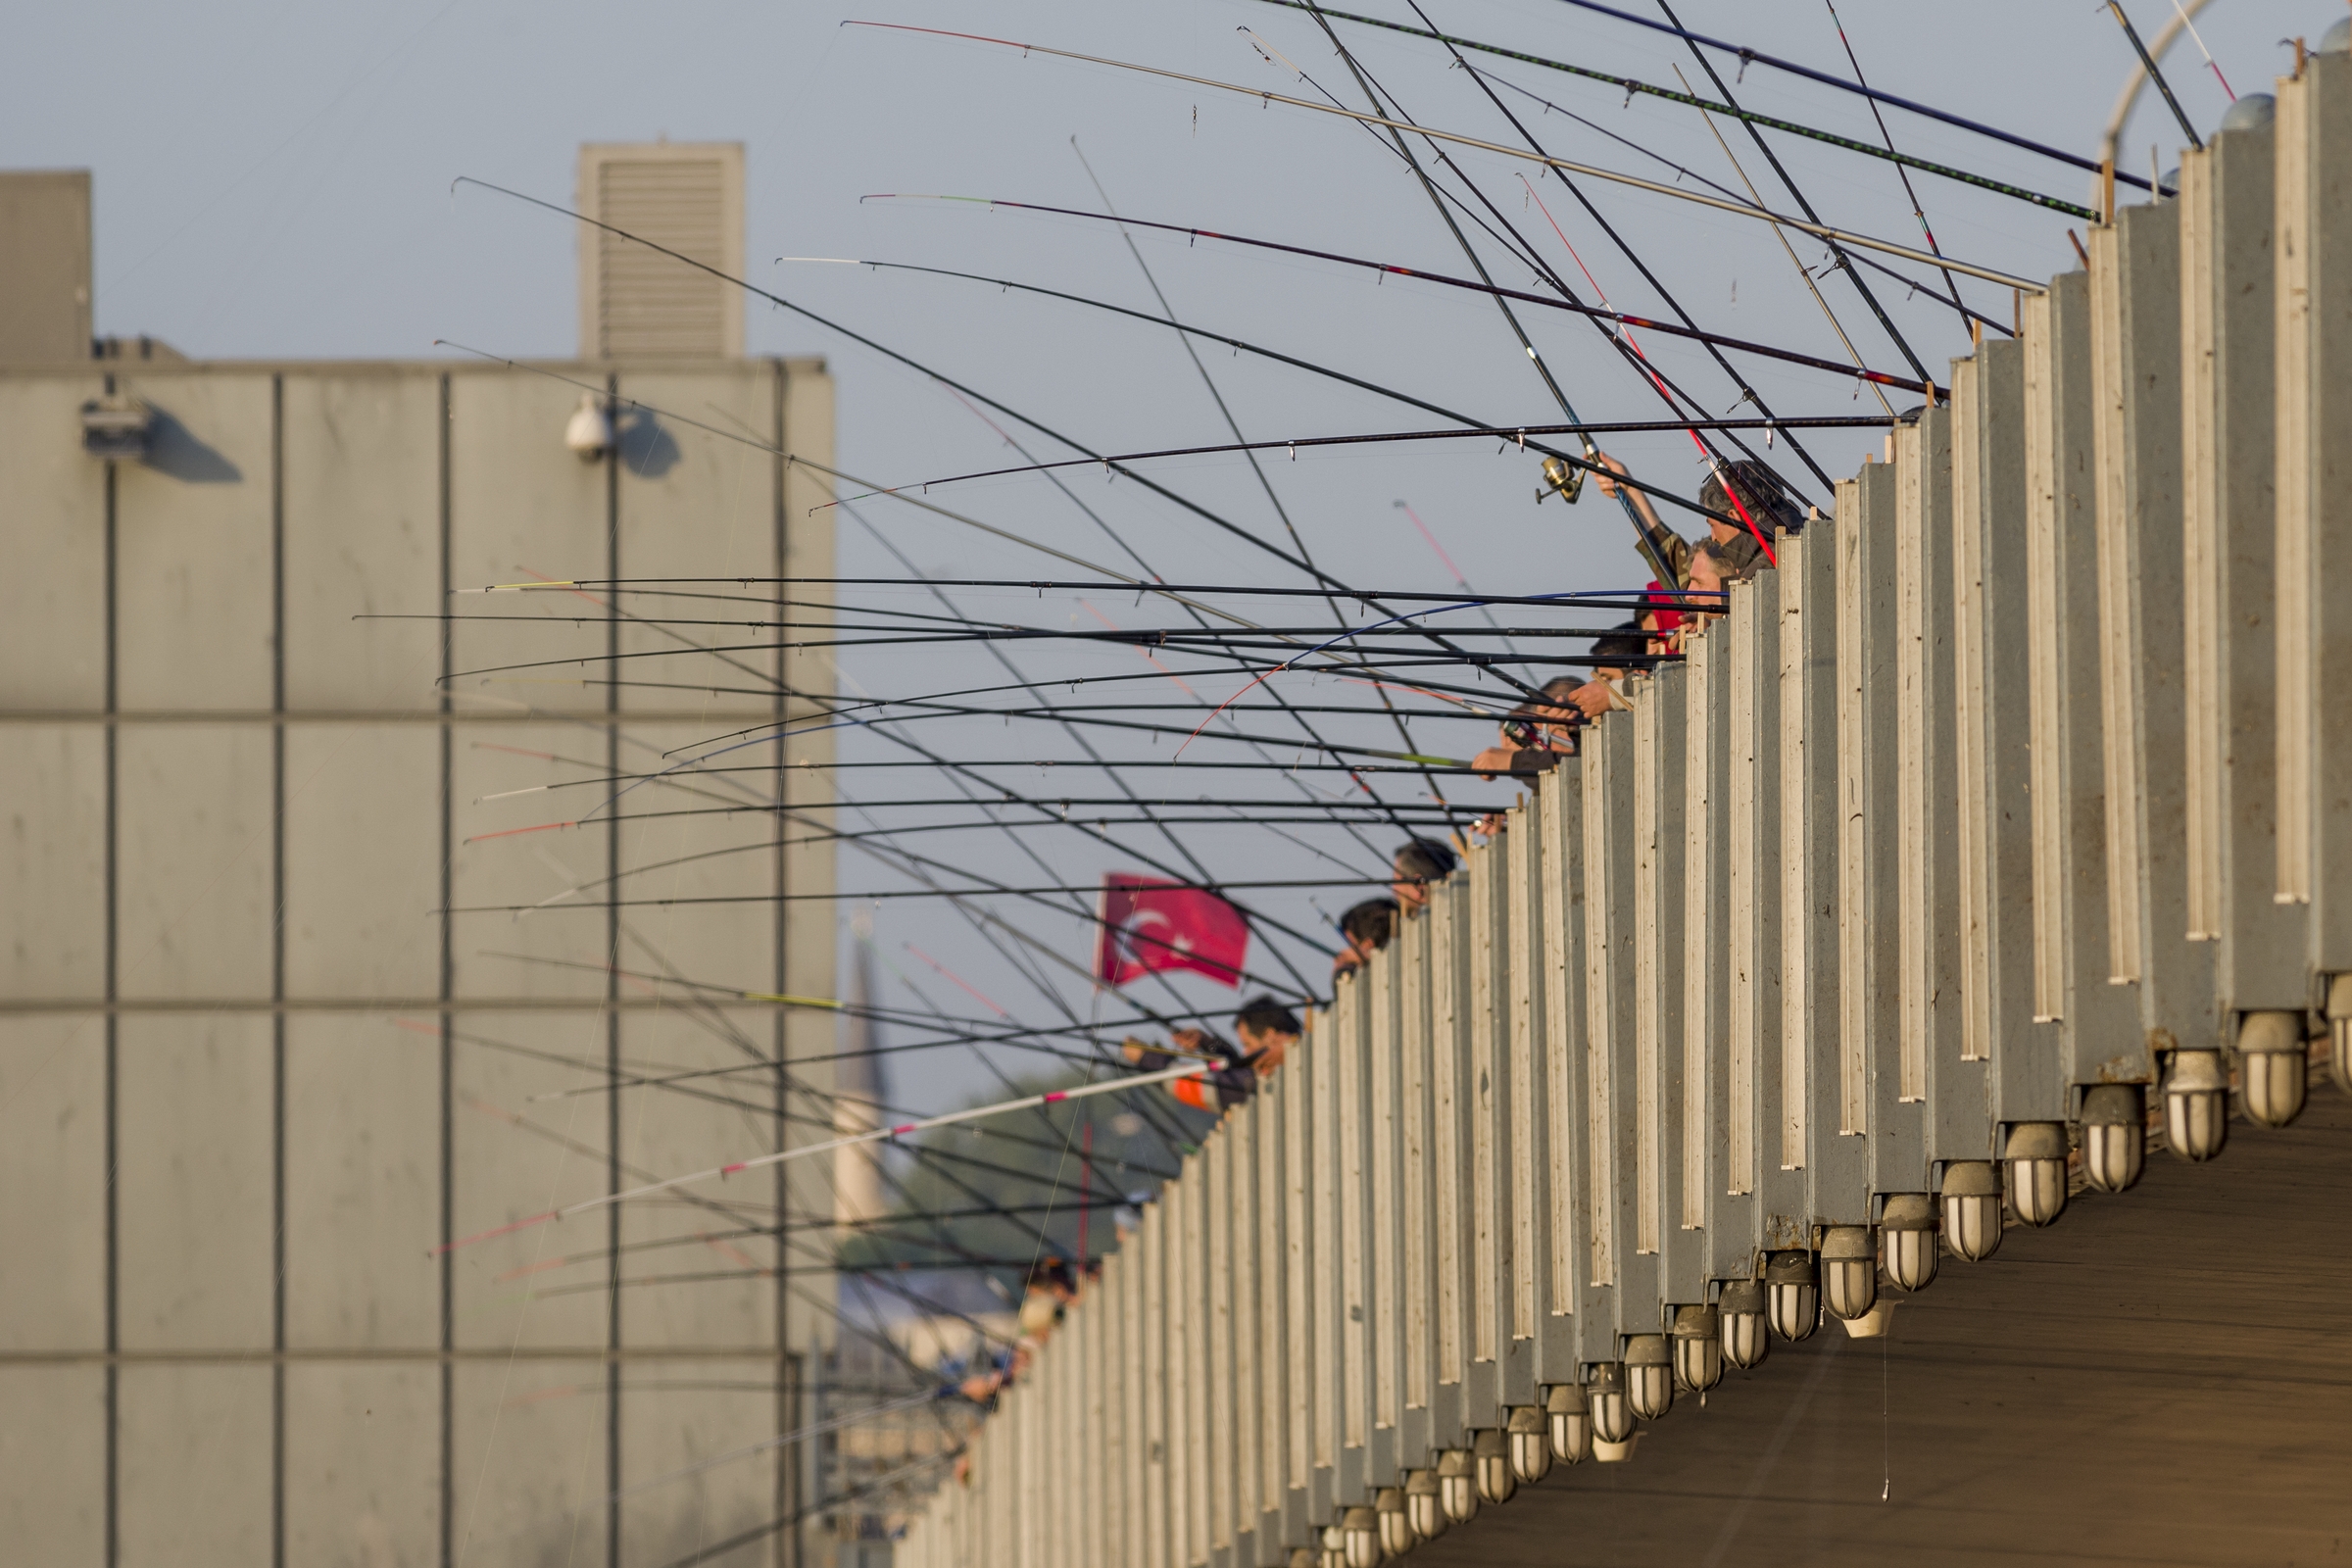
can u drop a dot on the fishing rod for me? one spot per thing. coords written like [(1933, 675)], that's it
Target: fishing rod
[(1917, 211), (915, 500), (1547, 300), (1147, 482), (1789, 183), (1568, 481), (1005, 660), (1635, 356), (1633, 85), (925, 1154), (1470, 425), (1837, 422), (1614, 176), (1605, 597), (1804, 273), (849, 1141), (982, 1034), (2148, 63), (1749, 55)]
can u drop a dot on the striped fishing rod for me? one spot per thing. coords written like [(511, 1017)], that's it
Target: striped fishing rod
[(1615, 177), (1749, 55), (879, 1135), (1634, 87)]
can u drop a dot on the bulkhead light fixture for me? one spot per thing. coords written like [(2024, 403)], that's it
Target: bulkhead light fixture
[(1972, 1208), (1530, 1444), (2340, 988), (1698, 1336), (2270, 1047), (1335, 1545), (1305, 1557), (1794, 1293), (1424, 1505), (1907, 1239), (1605, 1397), (1741, 1304), (1849, 1271), (1492, 1456), (2196, 1104), (1571, 1422), (1457, 1485), (115, 428), (2114, 1136), (2035, 1154), (1396, 1534), (589, 430), (1648, 1375), (1359, 1537)]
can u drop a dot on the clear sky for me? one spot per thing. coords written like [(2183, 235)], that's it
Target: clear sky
[(273, 179)]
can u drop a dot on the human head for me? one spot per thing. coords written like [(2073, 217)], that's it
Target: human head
[(1759, 490), (1418, 863), (1368, 925), (1610, 653), (1547, 722), (1266, 1028)]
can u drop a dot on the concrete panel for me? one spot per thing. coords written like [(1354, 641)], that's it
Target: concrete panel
[(694, 503), (363, 536), (53, 1465), (53, 1169), (53, 598), (672, 1418), (364, 1465), (196, 1177), (666, 1132), (808, 533), (53, 861), (686, 858), (492, 864), (194, 836), (362, 860), (518, 1289), (192, 1465), (530, 1462), (522, 507), (362, 1182), (193, 551)]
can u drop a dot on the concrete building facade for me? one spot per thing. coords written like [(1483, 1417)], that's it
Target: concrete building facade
[(270, 1030)]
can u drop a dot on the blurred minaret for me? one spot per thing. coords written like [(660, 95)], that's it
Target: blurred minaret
[(858, 1091)]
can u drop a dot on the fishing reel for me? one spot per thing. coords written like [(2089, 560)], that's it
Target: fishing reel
[(1562, 479)]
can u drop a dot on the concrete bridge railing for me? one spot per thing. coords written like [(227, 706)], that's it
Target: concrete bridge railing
[(2002, 832)]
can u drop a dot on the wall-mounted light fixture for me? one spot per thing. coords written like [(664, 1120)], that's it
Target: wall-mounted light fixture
[(115, 428), (589, 432), (2114, 1136)]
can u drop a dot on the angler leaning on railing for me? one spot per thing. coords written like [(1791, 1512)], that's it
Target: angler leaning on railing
[(2001, 825)]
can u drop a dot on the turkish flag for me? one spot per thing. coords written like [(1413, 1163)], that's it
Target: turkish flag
[(1149, 924)]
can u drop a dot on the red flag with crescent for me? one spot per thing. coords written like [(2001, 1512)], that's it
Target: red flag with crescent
[(1149, 923)]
